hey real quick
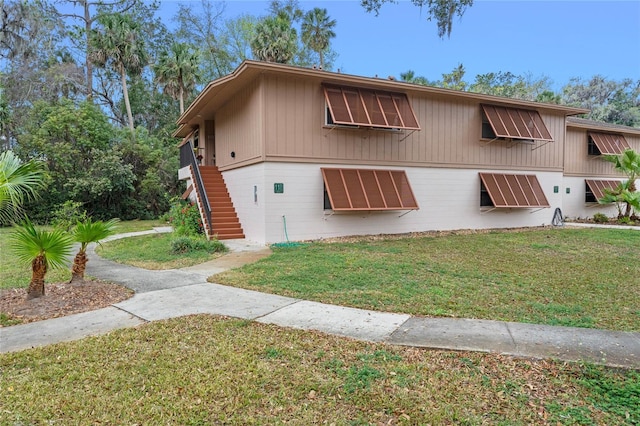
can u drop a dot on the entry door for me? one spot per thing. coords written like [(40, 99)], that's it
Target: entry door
[(210, 144)]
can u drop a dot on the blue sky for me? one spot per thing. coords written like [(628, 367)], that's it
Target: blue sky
[(558, 39)]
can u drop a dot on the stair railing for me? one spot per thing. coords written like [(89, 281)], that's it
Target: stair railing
[(188, 158)]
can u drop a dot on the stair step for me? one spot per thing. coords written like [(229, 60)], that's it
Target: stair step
[(221, 215), (228, 229), (225, 224), (222, 210), (231, 237)]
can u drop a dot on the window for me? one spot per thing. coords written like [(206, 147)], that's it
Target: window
[(487, 131), (606, 143), (595, 189), (196, 138), (370, 108), (366, 189), (592, 148), (513, 123), (513, 191), (485, 199)]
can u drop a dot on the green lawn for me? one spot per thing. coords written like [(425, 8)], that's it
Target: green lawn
[(206, 370), (571, 277), (151, 252), (138, 225)]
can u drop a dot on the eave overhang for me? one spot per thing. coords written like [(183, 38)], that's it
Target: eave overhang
[(582, 123)]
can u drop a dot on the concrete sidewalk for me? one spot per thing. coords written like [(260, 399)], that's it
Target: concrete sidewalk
[(168, 294)]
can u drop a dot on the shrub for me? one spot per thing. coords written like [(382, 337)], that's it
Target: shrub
[(185, 219), (187, 244), (68, 214), (600, 218), (625, 220)]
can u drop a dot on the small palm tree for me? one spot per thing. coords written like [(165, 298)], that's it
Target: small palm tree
[(19, 181), (627, 163), (43, 250), (84, 233)]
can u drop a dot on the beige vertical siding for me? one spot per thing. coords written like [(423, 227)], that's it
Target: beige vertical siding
[(238, 128), (579, 163), (450, 136)]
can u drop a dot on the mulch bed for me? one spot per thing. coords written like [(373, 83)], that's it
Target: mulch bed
[(61, 299)]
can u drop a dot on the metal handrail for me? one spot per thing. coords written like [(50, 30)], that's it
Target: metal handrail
[(188, 158)]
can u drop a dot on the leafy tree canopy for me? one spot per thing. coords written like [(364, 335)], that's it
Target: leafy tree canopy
[(442, 11), (610, 101), (275, 40)]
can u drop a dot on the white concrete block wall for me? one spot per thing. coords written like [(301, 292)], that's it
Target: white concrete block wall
[(250, 207), (448, 199), (574, 206)]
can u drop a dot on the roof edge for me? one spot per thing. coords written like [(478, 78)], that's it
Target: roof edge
[(583, 123), (373, 82)]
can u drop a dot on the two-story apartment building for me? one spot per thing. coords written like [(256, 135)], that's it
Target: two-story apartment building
[(306, 154)]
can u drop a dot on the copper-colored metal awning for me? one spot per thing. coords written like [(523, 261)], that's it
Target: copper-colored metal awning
[(609, 143), (598, 187), (515, 191), (366, 189), (371, 108), (516, 123)]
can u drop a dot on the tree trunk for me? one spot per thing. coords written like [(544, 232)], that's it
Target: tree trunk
[(38, 271), (125, 94), (181, 99), (79, 266), (88, 64)]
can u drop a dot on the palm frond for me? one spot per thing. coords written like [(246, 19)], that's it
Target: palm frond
[(92, 232), (19, 181), (27, 243)]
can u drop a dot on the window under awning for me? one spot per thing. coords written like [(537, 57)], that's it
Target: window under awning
[(609, 143), (514, 191), (516, 123), (366, 189), (371, 108), (598, 187)]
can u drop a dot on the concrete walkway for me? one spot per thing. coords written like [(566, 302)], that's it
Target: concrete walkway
[(173, 293)]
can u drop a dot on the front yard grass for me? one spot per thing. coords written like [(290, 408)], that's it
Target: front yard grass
[(562, 276), (152, 251), (138, 225), (211, 370)]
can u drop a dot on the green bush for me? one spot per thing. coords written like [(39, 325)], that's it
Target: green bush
[(185, 219), (625, 221), (187, 244), (600, 218), (68, 214)]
